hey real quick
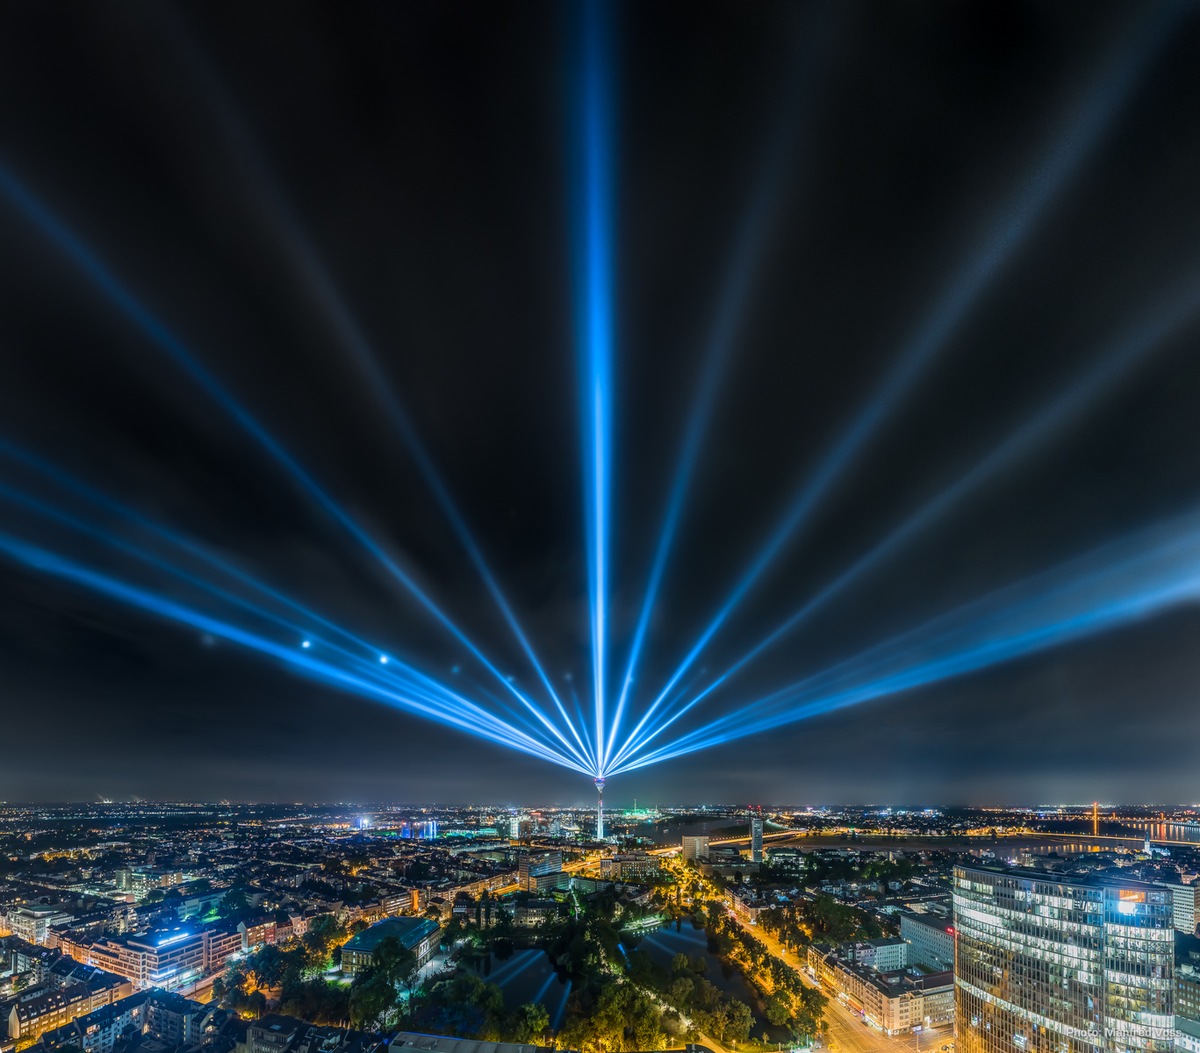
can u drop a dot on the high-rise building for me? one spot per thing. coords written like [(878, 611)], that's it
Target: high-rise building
[(756, 832), (537, 864), (1187, 907), (1187, 995), (1045, 964), (695, 846)]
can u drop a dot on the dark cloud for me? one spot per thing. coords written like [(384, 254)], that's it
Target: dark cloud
[(227, 161)]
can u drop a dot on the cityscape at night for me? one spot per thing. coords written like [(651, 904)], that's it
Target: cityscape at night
[(600, 526)]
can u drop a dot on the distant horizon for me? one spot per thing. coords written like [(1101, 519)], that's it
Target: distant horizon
[(585, 806)]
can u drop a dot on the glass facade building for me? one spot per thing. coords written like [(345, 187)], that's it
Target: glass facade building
[(1044, 964)]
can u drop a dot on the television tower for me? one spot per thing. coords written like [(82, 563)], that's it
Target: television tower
[(599, 781)]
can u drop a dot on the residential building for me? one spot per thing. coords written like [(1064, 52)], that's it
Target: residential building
[(892, 1001), (173, 1019), (40, 1010), (256, 932), (534, 911), (273, 1034), (100, 1030), (1047, 964)]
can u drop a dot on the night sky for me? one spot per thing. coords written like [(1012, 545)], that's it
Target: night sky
[(849, 163)]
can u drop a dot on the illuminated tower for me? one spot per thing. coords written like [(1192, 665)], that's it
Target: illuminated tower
[(599, 780)]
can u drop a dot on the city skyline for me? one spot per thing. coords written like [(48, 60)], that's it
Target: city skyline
[(796, 402)]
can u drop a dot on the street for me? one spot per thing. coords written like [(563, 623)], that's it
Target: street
[(845, 1031)]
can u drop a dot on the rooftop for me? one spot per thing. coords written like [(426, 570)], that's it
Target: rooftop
[(408, 930)]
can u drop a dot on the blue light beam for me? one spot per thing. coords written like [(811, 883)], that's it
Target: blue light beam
[(300, 253), (739, 281), (591, 137), (49, 563), (1115, 363), (165, 339), (101, 500), (1122, 582), (1087, 120), (416, 683)]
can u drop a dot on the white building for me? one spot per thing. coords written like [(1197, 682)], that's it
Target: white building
[(1187, 906), (33, 924)]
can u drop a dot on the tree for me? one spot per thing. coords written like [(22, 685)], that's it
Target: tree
[(738, 1021), (778, 1010), (809, 1012), (323, 934), (396, 963), (233, 903), (372, 1001), (530, 1022), (681, 991)]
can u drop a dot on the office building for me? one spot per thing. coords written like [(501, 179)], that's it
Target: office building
[(537, 864), (167, 959), (1187, 907), (1187, 1009), (637, 866), (695, 846), (756, 834), (930, 940), (1045, 964), (33, 924)]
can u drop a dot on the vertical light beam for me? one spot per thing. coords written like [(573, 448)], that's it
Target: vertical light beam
[(592, 258)]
